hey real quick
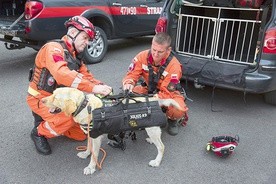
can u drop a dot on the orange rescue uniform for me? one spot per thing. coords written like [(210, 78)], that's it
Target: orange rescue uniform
[(52, 57), (166, 84)]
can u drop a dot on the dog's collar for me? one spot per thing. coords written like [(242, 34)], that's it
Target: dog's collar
[(81, 106)]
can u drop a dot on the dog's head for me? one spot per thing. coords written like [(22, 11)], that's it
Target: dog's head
[(67, 100)]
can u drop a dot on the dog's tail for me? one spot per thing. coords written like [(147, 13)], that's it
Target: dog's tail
[(169, 102)]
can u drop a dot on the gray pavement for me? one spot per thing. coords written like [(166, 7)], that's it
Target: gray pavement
[(185, 159)]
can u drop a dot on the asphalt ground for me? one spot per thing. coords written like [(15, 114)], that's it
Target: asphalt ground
[(185, 159)]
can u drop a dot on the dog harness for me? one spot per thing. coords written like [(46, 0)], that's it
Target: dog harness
[(117, 117), (82, 106)]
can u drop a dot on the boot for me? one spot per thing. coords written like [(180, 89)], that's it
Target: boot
[(172, 127), (41, 143)]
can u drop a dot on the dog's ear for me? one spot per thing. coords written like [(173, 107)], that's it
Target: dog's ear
[(47, 101), (69, 107)]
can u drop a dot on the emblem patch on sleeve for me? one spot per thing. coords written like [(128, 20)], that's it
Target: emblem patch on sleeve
[(131, 67), (174, 79), (57, 58)]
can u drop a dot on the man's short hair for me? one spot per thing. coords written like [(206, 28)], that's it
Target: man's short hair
[(162, 39)]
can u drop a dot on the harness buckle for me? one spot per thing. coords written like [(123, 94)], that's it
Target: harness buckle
[(103, 115), (149, 110)]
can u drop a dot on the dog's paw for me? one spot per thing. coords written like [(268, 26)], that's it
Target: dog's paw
[(149, 140), (83, 154), (88, 170), (154, 163)]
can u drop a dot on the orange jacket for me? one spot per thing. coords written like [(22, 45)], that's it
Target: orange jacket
[(52, 57), (139, 67)]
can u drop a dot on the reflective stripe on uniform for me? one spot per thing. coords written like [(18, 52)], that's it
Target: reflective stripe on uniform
[(77, 80), (50, 129), (165, 73), (33, 92), (145, 67)]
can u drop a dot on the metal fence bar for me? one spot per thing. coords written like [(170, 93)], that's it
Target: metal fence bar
[(207, 37), (230, 44), (224, 39), (243, 42), (237, 40), (191, 31), (238, 43), (250, 43), (201, 36), (186, 38), (196, 34), (214, 40)]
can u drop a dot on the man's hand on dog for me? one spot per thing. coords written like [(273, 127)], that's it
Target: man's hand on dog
[(102, 89), (128, 87)]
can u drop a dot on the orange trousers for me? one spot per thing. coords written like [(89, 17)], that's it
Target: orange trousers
[(54, 125), (172, 112)]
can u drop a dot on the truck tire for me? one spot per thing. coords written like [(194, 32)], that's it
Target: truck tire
[(270, 97), (96, 50)]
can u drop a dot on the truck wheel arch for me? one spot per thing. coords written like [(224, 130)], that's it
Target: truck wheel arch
[(95, 52), (97, 48), (100, 19)]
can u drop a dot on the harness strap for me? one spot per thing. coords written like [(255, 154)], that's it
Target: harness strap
[(154, 77), (81, 106)]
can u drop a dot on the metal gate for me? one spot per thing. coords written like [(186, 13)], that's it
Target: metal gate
[(220, 37)]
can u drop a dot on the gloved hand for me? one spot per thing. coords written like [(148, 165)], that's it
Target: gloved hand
[(128, 87), (103, 90)]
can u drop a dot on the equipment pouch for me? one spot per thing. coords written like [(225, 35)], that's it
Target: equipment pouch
[(46, 81), (127, 116)]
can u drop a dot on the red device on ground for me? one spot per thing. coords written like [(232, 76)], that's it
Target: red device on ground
[(223, 145)]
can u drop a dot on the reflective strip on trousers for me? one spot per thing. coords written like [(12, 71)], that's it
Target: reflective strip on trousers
[(50, 129)]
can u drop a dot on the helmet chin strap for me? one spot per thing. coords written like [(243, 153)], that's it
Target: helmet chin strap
[(73, 40)]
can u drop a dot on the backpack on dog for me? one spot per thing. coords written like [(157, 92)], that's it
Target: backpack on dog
[(248, 3), (126, 116)]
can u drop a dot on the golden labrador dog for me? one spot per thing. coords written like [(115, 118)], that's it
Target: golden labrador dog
[(69, 100)]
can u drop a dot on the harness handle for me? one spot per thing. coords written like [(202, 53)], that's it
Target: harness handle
[(131, 96), (127, 96)]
